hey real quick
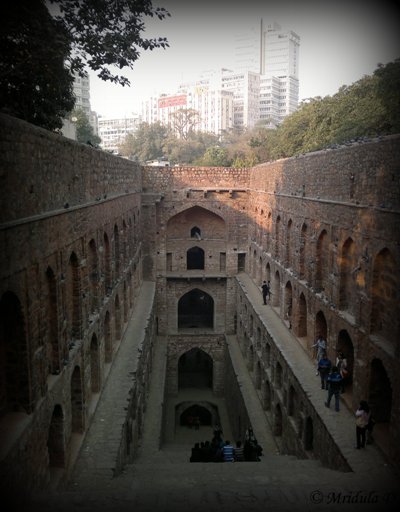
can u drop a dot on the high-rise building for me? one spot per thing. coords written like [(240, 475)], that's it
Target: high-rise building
[(82, 94), (264, 85), (213, 105), (274, 54), (82, 100), (113, 131)]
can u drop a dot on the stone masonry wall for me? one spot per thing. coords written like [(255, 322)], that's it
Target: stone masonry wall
[(70, 279), (324, 230)]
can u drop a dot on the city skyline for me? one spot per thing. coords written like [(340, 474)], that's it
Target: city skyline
[(339, 44)]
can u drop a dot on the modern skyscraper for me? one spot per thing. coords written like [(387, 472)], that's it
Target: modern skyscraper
[(274, 54)]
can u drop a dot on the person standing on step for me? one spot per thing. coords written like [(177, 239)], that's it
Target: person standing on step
[(324, 367), (265, 292), (362, 419), (320, 346)]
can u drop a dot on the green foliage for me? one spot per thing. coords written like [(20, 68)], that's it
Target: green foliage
[(84, 130), (104, 33), (215, 156), (34, 83), (43, 43), (147, 143), (367, 108)]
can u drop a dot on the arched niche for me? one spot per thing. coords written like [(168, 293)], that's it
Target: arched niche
[(195, 369), (196, 310), (196, 219)]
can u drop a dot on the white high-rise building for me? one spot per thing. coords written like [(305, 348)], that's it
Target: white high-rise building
[(246, 89), (213, 105), (113, 131), (274, 54)]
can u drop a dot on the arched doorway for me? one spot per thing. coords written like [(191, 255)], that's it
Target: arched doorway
[(345, 345), (195, 411), (321, 326), (55, 440), (195, 258), (195, 310), (14, 368), (380, 401), (287, 305), (301, 318), (195, 369)]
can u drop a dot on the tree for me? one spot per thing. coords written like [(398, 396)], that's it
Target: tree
[(188, 151), (215, 156), (43, 44), (84, 130), (104, 33), (35, 85), (184, 121), (146, 143), (367, 108)]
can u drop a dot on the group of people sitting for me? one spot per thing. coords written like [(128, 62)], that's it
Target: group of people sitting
[(218, 450)]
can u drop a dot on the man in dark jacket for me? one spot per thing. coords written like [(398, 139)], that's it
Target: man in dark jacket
[(334, 387)]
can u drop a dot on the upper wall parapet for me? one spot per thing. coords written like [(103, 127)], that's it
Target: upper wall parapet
[(168, 179), (366, 173), (41, 171)]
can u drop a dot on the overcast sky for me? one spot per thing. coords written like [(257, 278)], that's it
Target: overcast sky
[(340, 41)]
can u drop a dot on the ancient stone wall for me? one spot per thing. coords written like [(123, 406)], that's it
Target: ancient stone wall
[(324, 230), (70, 278), (80, 229)]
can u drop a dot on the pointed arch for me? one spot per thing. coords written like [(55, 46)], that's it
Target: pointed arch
[(210, 225), (195, 258), (117, 252), (347, 266), (385, 298), (300, 326), (380, 392), (94, 364), (14, 369), (52, 319), (277, 237), (107, 265), (73, 296), (195, 310), (303, 251), (55, 439), (195, 369), (275, 299), (345, 345), (322, 262), (288, 302), (289, 243), (108, 338), (117, 318), (94, 275), (321, 325)]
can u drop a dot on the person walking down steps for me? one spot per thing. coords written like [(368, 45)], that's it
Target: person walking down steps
[(334, 387)]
